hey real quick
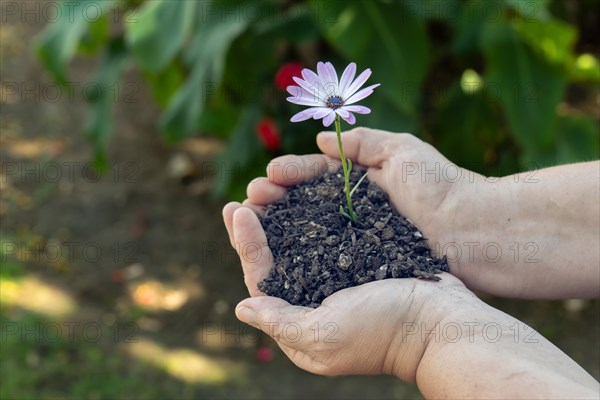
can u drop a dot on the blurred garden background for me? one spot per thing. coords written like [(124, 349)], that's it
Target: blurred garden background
[(126, 125)]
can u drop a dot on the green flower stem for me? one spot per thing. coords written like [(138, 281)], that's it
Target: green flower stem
[(338, 131)]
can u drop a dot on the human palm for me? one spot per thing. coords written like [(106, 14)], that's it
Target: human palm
[(357, 330)]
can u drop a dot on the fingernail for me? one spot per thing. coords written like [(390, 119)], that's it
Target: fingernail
[(245, 314)]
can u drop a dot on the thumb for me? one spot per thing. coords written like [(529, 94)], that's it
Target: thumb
[(286, 324), (368, 147)]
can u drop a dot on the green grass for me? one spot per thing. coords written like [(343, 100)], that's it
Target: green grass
[(39, 367)]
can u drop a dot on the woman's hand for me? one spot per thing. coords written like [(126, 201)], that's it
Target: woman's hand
[(436, 334), (368, 329)]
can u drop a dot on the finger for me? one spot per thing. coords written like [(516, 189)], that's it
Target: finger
[(448, 279), (258, 209), (287, 324), (228, 211), (368, 147), (262, 192), (292, 169), (252, 248)]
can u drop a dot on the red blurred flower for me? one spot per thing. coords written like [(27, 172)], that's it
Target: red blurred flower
[(284, 76), (268, 133), (264, 354)]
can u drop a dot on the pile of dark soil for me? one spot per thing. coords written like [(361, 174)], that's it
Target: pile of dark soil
[(317, 251)]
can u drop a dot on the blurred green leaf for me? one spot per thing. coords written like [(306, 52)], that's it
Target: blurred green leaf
[(99, 120), (530, 10), (386, 115), (433, 9), (468, 26), (95, 36), (552, 39), (250, 70), (294, 23), (57, 45), (166, 82), (472, 17), (383, 36), (577, 140), (206, 57), (528, 87), (466, 127), (219, 119), (159, 30), (235, 163)]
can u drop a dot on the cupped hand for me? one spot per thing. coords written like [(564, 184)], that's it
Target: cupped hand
[(360, 330), (400, 326), (368, 329)]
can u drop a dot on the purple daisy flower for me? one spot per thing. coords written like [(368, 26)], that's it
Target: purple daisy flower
[(327, 96)]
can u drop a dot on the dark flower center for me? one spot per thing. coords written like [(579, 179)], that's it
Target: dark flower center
[(334, 102)]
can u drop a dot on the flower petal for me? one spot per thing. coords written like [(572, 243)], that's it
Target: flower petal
[(313, 89), (326, 80), (361, 94), (323, 73), (322, 112), (304, 114), (342, 113), (328, 119), (332, 73), (362, 78), (351, 119), (304, 101), (358, 109), (313, 80), (347, 77), (294, 90), (302, 97), (310, 77)]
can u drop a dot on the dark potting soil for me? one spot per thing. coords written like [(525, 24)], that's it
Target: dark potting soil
[(317, 251)]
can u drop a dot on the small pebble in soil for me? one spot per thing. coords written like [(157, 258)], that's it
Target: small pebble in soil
[(317, 251)]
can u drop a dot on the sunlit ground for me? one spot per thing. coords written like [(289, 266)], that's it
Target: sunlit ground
[(46, 334), (188, 365), (30, 294)]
